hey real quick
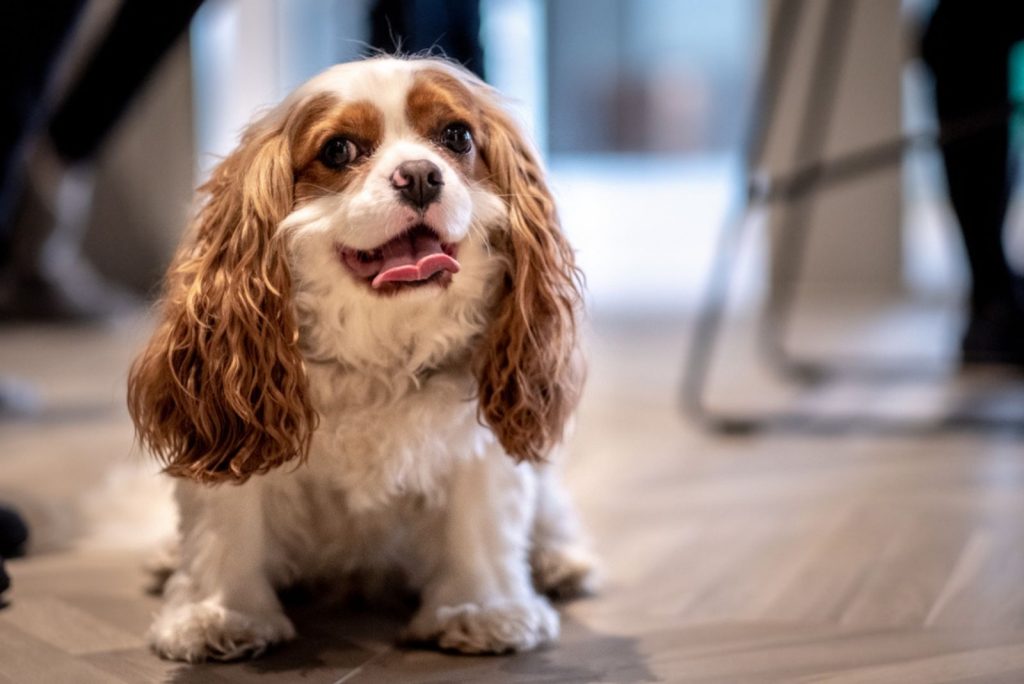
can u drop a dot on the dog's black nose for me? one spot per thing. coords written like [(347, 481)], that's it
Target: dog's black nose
[(418, 182)]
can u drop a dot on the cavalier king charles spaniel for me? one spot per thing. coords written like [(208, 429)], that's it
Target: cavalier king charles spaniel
[(365, 362)]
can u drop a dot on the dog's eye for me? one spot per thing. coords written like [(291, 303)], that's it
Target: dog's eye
[(457, 138), (338, 152)]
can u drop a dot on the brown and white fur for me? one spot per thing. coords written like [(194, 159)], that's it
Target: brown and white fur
[(319, 426)]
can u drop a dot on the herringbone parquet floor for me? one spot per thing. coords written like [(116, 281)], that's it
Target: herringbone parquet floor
[(783, 557)]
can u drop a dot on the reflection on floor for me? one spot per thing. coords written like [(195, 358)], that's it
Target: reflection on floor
[(780, 557)]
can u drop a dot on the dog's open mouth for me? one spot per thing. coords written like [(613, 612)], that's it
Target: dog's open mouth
[(415, 257)]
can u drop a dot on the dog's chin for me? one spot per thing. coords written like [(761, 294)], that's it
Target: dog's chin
[(417, 258)]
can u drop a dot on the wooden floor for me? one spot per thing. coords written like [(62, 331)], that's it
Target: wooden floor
[(784, 557)]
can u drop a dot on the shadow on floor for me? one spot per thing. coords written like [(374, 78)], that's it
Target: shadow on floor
[(335, 641)]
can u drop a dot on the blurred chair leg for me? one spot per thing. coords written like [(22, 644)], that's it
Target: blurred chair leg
[(708, 325), (715, 303), (794, 228)]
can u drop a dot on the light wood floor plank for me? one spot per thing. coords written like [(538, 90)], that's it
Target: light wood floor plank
[(68, 628), (28, 660), (985, 664)]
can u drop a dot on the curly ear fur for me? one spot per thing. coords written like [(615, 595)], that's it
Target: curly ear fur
[(220, 392), (528, 373)]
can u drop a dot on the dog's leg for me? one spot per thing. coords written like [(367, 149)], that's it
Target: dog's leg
[(563, 566), (480, 598), (162, 564), (219, 603)]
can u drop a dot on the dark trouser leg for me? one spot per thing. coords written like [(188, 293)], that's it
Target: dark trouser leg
[(968, 48), (139, 37), (977, 177), (453, 26), (31, 36)]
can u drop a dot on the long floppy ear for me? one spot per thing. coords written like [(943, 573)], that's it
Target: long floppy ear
[(220, 392), (527, 368)]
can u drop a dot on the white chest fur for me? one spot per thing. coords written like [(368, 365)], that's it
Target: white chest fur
[(377, 441)]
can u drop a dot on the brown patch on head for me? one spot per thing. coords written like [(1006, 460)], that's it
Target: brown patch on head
[(316, 122), (438, 99)]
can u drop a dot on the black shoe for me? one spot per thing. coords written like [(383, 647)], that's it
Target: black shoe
[(994, 335), (5, 581), (13, 533)]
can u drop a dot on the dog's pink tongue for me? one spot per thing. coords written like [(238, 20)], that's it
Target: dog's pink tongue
[(413, 257)]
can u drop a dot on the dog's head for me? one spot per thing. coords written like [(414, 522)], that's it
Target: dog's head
[(388, 214)]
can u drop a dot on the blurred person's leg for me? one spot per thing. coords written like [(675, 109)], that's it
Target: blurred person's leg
[(139, 37), (31, 37), (47, 277), (968, 50), (451, 26)]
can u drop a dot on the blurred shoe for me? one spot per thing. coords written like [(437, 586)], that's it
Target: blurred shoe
[(13, 538), (994, 335), (13, 533)]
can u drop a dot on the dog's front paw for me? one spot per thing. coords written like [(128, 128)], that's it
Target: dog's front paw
[(564, 572), (500, 627), (202, 631)]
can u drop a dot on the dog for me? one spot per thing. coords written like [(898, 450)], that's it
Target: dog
[(366, 362)]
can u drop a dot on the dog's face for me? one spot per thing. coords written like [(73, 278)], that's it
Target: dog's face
[(387, 214), (396, 211), (388, 162)]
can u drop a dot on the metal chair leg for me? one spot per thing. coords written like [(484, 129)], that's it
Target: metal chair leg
[(711, 314)]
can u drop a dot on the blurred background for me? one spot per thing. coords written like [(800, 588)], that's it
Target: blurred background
[(647, 99), (777, 282)]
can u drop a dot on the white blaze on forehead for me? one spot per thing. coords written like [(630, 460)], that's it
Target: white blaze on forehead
[(384, 82)]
